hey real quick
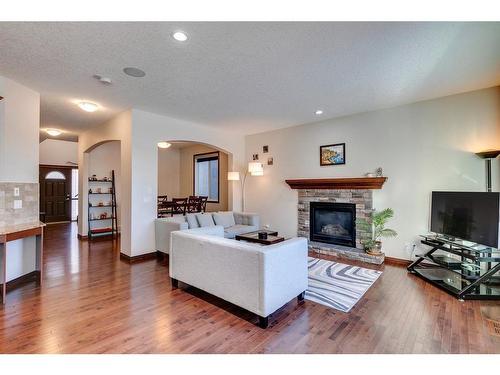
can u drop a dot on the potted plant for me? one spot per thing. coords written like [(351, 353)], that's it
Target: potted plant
[(378, 230)]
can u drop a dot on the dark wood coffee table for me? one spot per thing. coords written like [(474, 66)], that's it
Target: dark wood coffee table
[(272, 237)]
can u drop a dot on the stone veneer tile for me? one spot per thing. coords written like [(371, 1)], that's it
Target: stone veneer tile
[(363, 199), (28, 193)]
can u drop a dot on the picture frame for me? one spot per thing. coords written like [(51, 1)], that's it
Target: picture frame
[(333, 154)]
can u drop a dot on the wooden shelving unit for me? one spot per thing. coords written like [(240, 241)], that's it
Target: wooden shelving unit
[(95, 230)]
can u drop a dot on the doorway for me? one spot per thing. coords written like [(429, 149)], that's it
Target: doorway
[(57, 193)]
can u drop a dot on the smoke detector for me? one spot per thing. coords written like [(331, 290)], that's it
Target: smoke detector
[(102, 79)]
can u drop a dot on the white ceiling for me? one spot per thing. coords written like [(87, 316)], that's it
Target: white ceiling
[(248, 77)]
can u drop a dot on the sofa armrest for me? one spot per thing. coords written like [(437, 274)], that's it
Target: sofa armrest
[(285, 273), (163, 228), (247, 218)]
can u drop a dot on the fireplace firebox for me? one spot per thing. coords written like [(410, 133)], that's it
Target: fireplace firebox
[(333, 223)]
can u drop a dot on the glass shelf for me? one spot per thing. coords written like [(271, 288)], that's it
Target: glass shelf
[(464, 248), (463, 269)]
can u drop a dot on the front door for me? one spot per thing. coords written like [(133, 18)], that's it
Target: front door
[(55, 194)]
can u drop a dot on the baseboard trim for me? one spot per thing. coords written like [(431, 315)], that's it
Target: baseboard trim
[(138, 258), (82, 237), (31, 276), (397, 261)]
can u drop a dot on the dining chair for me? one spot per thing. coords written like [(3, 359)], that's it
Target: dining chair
[(179, 206), (203, 203), (194, 204), (162, 203)]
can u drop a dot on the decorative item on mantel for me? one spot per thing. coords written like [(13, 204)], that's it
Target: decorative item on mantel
[(377, 227), (378, 173)]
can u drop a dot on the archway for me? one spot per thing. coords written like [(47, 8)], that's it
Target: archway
[(189, 168), (102, 161)]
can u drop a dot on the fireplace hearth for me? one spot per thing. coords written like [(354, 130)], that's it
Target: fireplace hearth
[(333, 223)]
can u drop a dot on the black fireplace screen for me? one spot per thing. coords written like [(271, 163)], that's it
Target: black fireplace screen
[(333, 223)]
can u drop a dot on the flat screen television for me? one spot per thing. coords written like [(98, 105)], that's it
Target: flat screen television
[(470, 216)]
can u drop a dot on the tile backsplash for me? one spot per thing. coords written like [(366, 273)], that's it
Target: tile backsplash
[(28, 194)]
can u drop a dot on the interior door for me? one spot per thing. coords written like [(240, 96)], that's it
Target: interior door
[(55, 194)]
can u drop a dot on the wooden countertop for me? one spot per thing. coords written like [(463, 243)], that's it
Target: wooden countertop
[(9, 232)]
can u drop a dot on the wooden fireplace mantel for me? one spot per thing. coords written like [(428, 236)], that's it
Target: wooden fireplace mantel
[(338, 183)]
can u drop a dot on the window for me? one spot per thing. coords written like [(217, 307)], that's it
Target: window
[(54, 175), (206, 176)]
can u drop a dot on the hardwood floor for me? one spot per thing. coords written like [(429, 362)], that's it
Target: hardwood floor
[(92, 302)]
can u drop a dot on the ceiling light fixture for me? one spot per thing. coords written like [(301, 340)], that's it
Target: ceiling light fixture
[(164, 144), (102, 79), (180, 36), (88, 106), (318, 112), (134, 72), (53, 132)]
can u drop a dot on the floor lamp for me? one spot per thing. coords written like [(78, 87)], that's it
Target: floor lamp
[(255, 169), (488, 156)]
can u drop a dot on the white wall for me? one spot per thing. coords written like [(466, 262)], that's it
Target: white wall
[(117, 129), (19, 127), (58, 152), (147, 130), (169, 162), (421, 147)]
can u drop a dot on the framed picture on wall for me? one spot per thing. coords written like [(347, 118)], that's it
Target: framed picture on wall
[(332, 154)]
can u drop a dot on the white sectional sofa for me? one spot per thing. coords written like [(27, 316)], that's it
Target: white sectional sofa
[(258, 278), (234, 223)]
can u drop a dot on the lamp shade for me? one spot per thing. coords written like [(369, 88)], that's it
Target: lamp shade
[(488, 154), (233, 176), (255, 169)]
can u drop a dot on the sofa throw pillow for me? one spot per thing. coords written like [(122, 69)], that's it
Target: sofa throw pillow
[(226, 219), (205, 220), (192, 222)]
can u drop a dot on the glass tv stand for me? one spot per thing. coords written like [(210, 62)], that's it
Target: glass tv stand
[(463, 269)]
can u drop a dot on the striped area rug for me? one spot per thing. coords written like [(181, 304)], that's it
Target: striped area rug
[(338, 285)]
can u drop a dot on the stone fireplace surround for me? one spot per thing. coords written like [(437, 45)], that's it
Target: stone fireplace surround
[(363, 199)]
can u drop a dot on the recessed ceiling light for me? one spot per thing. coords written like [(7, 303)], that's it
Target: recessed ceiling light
[(134, 72), (319, 112), (180, 36), (53, 132), (88, 106), (164, 145)]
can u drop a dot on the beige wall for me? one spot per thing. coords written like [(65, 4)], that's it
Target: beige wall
[(186, 175), (169, 163), (421, 147)]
